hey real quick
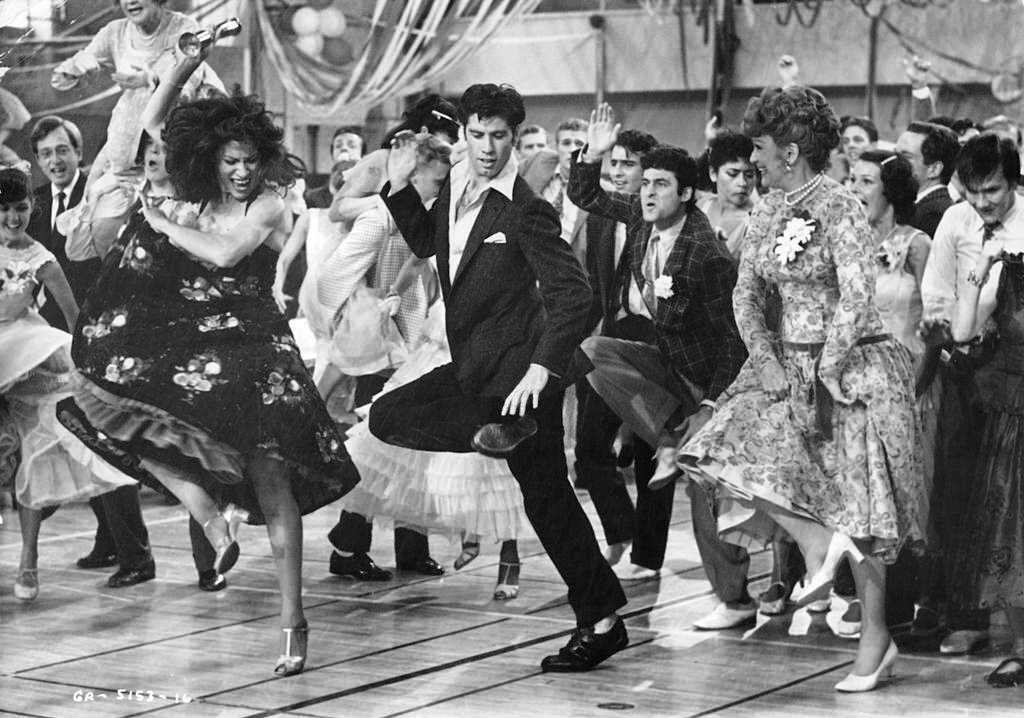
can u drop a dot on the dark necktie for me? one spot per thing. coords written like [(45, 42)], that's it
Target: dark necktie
[(61, 208), (989, 231)]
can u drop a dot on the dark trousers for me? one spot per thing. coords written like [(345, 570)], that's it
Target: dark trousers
[(433, 413), (647, 524), (353, 533), (123, 516), (80, 276), (104, 543)]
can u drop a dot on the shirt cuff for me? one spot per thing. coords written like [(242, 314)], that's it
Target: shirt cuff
[(713, 405), (922, 93)]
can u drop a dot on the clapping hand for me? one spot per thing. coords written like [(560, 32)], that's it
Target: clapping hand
[(916, 70), (789, 70), (401, 160), (135, 78), (602, 132)]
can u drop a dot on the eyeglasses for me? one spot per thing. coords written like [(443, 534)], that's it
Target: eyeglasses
[(62, 151)]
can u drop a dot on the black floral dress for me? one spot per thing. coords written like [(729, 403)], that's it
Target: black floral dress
[(988, 559), (194, 367)]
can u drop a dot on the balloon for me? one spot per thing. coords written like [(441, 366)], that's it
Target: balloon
[(337, 52), (305, 21), (310, 44), (332, 22)]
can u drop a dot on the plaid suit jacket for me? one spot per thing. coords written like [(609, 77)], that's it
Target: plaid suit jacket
[(696, 329)]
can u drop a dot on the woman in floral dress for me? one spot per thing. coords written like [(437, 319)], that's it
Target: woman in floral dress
[(186, 364), (819, 434)]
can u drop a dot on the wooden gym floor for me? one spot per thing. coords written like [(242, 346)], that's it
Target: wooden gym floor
[(420, 646)]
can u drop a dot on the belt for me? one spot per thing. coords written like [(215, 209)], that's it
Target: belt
[(821, 397), (815, 347)]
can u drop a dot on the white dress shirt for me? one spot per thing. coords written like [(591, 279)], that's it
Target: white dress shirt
[(955, 250), (569, 212), (461, 224), (665, 244)]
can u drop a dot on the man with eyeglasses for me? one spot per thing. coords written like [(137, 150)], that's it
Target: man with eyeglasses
[(57, 146)]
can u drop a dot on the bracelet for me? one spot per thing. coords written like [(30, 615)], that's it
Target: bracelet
[(709, 404), (973, 278)]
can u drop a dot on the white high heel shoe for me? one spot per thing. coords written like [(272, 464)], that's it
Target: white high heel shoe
[(861, 684), (226, 545), (838, 546)]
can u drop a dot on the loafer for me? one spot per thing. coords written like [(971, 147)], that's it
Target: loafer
[(131, 576), (97, 559), (1008, 674), (635, 572), (358, 566), (425, 567), (958, 643), (587, 649), (210, 580), (499, 439), (723, 617)]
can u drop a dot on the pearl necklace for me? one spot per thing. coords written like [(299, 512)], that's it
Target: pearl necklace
[(803, 191)]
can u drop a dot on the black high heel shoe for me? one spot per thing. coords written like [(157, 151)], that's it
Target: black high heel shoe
[(290, 663), (226, 545)]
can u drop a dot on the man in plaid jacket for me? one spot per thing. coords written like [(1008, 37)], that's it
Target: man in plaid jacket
[(682, 277)]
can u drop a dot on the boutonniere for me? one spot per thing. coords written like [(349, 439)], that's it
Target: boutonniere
[(795, 235), (663, 287)]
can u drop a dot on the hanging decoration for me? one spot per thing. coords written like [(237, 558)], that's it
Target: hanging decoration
[(332, 55)]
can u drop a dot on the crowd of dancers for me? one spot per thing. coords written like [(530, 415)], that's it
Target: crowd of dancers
[(819, 332)]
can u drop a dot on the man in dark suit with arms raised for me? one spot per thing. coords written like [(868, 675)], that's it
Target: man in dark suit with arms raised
[(517, 303)]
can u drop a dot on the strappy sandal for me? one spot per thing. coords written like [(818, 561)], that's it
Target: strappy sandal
[(470, 550), (289, 663), (508, 581)]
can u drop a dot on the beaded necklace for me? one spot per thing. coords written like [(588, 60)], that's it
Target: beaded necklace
[(803, 191)]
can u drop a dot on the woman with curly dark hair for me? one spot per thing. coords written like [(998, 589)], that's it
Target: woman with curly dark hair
[(185, 366), (819, 435)]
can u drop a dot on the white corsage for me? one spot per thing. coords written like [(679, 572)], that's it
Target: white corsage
[(17, 277), (795, 236), (663, 287)]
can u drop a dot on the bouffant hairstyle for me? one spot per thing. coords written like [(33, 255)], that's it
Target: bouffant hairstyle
[(430, 148), (14, 186), (490, 100), (940, 144), (984, 155), (796, 114), (865, 123), (729, 146), (677, 161), (434, 112), (898, 184), (636, 141), (196, 133)]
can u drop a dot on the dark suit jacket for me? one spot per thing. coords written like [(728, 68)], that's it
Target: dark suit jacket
[(79, 274), (695, 326), (39, 225), (929, 210), (601, 268), (521, 301)]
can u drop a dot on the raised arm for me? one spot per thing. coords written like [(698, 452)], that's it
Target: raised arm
[(362, 183), (584, 188), (415, 222), (224, 249)]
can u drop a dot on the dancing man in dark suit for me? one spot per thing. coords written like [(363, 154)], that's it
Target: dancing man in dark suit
[(517, 303), (682, 277)]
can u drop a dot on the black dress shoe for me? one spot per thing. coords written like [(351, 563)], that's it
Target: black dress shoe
[(587, 649), (95, 559), (498, 440), (210, 580), (425, 566), (131, 576), (358, 566)]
